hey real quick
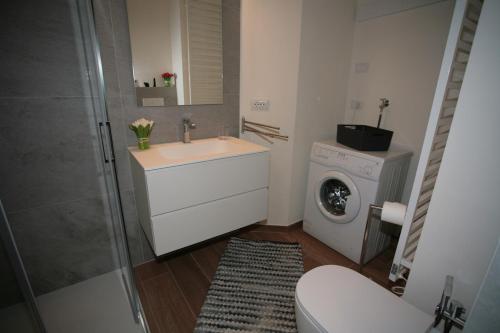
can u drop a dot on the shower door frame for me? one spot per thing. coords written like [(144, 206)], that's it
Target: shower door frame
[(7, 238), (86, 38), (86, 13)]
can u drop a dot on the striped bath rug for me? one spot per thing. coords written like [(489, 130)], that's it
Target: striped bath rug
[(253, 289)]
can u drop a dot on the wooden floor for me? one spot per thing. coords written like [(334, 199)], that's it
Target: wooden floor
[(173, 289)]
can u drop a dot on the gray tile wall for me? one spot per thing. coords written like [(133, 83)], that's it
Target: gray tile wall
[(49, 181), (112, 29), (9, 291)]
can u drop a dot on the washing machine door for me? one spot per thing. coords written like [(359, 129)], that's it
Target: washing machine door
[(337, 197)]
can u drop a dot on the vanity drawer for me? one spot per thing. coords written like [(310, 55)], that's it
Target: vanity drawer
[(181, 228), (174, 188)]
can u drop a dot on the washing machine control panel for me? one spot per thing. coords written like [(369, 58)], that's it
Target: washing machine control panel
[(359, 166)]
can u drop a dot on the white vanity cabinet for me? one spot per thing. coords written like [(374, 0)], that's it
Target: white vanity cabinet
[(187, 193)]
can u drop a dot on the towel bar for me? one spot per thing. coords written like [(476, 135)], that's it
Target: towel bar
[(265, 132)]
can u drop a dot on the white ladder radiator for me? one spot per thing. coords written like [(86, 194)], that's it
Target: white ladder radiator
[(456, 55)]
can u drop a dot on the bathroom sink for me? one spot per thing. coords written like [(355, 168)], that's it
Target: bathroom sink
[(179, 153), (190, 192), (197, 149)]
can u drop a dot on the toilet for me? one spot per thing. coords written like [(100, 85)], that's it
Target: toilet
[(337, 299)]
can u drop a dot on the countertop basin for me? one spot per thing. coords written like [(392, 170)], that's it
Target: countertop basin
[(178, 153)]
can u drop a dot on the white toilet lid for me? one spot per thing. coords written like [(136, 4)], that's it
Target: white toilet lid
[(339, 299)]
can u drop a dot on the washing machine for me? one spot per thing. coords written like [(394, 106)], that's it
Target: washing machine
[(342, 183)]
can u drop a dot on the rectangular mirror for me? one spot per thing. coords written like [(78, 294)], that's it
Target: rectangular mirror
[(176, 51)]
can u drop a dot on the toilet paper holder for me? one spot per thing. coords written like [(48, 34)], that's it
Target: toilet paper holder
[(394, 214), (372, 208)]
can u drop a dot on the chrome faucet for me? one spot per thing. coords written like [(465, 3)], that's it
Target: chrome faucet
[(449, 310), (187, 124)]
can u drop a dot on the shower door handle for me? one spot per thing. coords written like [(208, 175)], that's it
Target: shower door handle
[(107, 142), (110, 140)]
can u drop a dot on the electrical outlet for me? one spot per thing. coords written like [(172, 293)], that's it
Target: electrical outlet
[(259, 105)]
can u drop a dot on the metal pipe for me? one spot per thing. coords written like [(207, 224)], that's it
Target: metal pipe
[(384, 102)]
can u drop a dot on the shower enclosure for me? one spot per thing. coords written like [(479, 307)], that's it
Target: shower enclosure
[(64, 259)]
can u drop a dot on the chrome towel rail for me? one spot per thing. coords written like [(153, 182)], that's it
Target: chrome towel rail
[(265, 132)]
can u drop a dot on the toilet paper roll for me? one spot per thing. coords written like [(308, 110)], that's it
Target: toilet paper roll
[(393, 212)]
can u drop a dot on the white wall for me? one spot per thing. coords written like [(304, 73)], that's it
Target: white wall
[(404, 53), (463, 222), (270, 44), (296, 54), (484, 314), (325, 55), (150, 35)]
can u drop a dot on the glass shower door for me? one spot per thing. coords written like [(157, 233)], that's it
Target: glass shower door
[(18, 310), (100, 118), (58, 180)]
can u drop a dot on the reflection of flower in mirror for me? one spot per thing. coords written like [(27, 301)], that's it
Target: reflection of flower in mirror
[(167, 75), (142, 127), (169, 79)]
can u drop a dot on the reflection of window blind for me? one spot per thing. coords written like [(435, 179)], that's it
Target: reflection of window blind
[(205, 50)]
